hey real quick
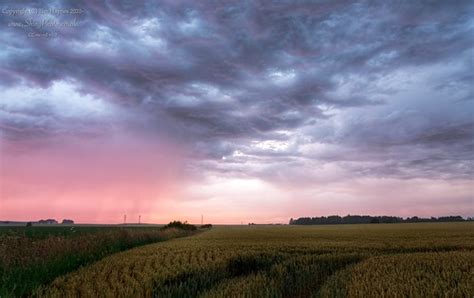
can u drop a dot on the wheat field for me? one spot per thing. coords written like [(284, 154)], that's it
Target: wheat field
[(384, 260)]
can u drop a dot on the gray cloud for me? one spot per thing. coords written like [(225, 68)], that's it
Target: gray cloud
[(376, 89)]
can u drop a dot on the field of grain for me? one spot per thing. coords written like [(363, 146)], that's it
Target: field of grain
[(34, 256), (379, 260)]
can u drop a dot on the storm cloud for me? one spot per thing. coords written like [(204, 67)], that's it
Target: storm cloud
[(280, 91)]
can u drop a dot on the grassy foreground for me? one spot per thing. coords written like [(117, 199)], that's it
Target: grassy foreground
[(34, 256), (393, 260)]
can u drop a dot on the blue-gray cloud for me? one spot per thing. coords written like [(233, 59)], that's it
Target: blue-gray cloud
[(257, 88)]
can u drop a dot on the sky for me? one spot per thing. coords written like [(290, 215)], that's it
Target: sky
[(240, 111)]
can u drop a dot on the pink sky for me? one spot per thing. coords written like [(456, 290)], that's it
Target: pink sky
[(87, 180), (93, 180), (238, 111)]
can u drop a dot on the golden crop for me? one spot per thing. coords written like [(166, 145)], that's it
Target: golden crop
[(393, 260), (27, 261)]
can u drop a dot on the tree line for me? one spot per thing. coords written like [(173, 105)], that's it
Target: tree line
[(365, 219)]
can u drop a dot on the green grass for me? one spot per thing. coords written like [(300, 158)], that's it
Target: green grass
[(45, 231), (390, 260), (34, 256)]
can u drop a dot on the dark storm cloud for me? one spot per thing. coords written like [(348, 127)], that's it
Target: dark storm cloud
[(222, 77)]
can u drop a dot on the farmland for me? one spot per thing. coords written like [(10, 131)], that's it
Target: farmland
[(33, 256), (391, 260)]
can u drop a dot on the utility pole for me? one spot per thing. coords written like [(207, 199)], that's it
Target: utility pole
[(124, 218), (139, 219), (202, 219)]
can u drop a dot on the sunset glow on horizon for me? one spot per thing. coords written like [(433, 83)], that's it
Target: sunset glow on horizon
[(239, 112)]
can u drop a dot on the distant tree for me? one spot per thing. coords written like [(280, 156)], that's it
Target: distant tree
[(366, 219), (29, 224), (180, 225), (375, 220), (67, 222), (48, 221)]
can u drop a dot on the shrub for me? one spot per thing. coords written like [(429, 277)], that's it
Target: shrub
[(180, 225)]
